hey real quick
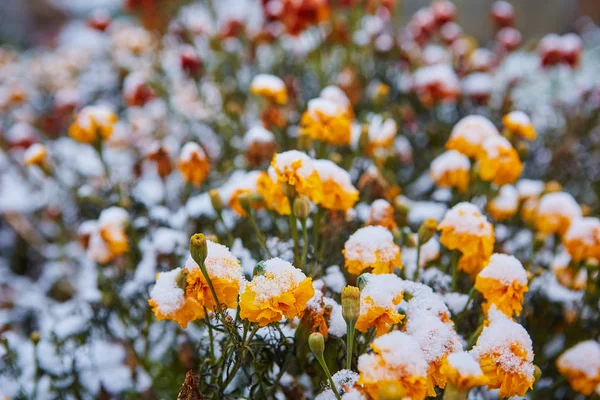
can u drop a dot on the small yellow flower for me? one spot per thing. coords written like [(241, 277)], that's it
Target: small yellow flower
[(225, 274), (581, 366), (505, 205), (270, 87), (272, 194), (462, 371), (193, 164), (93, 123), (240, 183), (555, 213), (468, 135), (397, 359), (298, 171), (465, 229), (451, 170), (499, 162), (379, 300), (582, 240), (371, 247), (505, 355), (382, 214), (282, 291), (328, 118), (519, 123), (503, 282), (36, 154), (338, 191), (109, 239)]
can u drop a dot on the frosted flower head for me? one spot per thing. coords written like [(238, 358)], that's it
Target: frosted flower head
[(270, 87), (382, 214), (193, 164), (240, 183), (581, 366), (36, 154), (297, 170), (371, 247), (436, 84), (518, 123), (328, 119), (451, 169), (109, 240), (505, 204), (282, 291), (259, 145), (503, 282), (462, 371), (338, 192), (379, 299), (380, 132), (93, 123), (555, 213), (582, 239), (499, 162), (469, 133)]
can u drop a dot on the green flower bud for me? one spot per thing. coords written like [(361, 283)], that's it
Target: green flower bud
[(350, 303), (215, 199), (316, 342), (198, 248), (427, 230), (302, 207), (259, 269)]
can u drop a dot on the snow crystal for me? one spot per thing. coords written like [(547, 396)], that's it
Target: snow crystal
[(465, 364), (466, 218), (268, 81), (450, 160), (167, 295), (435, 338), (369, 242), (504, 268), (400, 350), (337, 324), (529, 188), (334, 279), (584, 357), (559, 203), (382, 289), (585, 229)]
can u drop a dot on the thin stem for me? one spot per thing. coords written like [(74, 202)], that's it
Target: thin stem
[(259, 235), (317, 226), (474, 336), (305, 244), (331, 382), (225, 228), (472, 293), (418, 266), (210, 334), (294, 233), (212, 289), (350, 330), (455, 272)]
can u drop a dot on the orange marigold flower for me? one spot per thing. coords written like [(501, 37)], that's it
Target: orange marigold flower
[(168, 301), (282, 291), (240, 183), (581, 366), (505, 354), (272, 194), (567, 275), (193, 164), (396, 359), (462, 371), (451, 169), (468, 135), (499, 162), (437, 341), (465, 229), (93, 123), (225, 274), (259, 145), (503, 282), (379, 300), (270, 87), (297, 170), (556, 212), (35, 154), (371, 247), (109, 239), (338, 191), (519, 123), (505, 204), (328, 118), (382, 214), (582, 239)]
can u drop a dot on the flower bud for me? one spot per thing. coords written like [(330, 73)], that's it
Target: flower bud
[(198, 248), (259, 269), (363, 140), (537, 372), (350, 303), (592, 264), (245, 202), (302, 207), (552, 187), (34, 337), (539, 240), (391, 390), (215, 199), (361, 281), (427, 230), (523, 149), (316, 342), (288, 190)]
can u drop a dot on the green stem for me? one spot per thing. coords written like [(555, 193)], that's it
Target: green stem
[(317, 226), (455, 271), (212, 289), (474, 336), (472, 293), (210, 334), (321, 361), (294, 232), (350, 330), (225, 228), (305, 244), (418, 266), (259, 235), (453, 393)]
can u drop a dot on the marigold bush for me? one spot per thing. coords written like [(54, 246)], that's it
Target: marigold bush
[(289, 199)]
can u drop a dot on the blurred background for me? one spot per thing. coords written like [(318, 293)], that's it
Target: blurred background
[(27, 22)]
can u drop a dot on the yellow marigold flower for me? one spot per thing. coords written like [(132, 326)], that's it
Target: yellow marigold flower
[(468, 135), (371, 247), (93, 123), (272, 194), (240, 183), (556, 212), (282, 291), (168, 301), (582, 240), (462, 371), (338, 191), (451, 169), (503, 282), (193, 164), (396, 359), (35, 155), (270, 87), (379, 300), (297, 170), (519, 123), (566, 275), (109, 239), (499, 162), (382, 214), (328, 118), (581, 366), (505, 354), (505, 204), (437, 340), (465, 229), (529, 189), (225, 274)]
